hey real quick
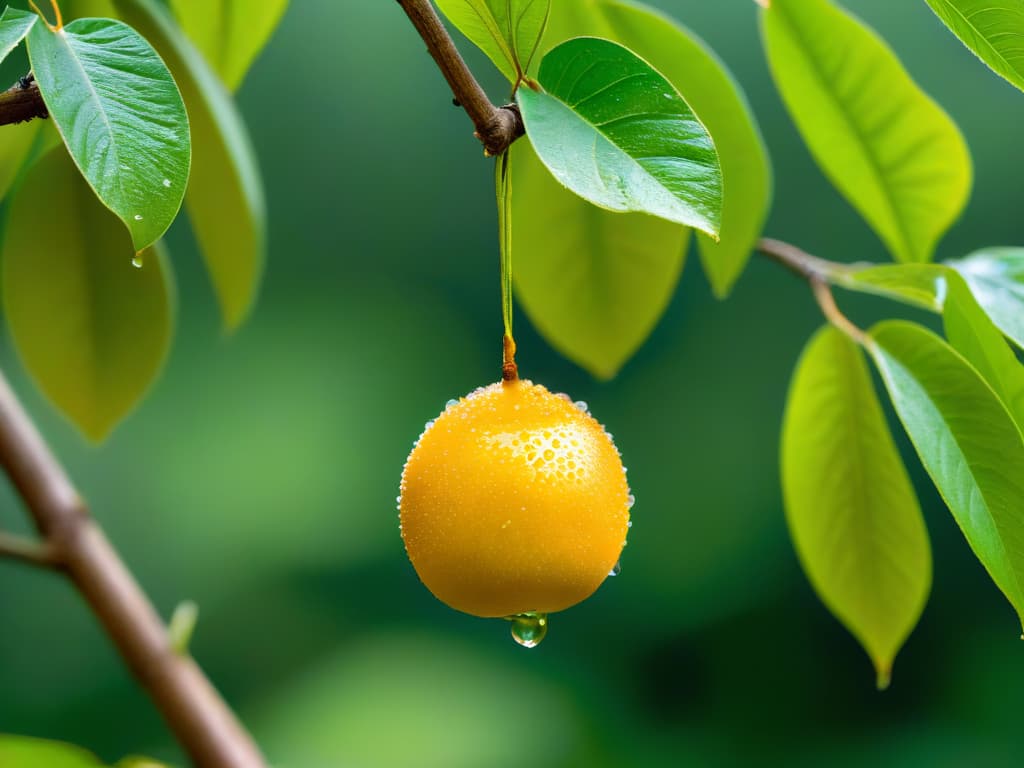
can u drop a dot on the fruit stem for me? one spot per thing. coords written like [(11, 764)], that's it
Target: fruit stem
[(509, 370), (503, 190)]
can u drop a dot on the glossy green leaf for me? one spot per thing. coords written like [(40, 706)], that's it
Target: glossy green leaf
[(594, 283), (966, 440), (617, 133), (508, 31), (225, 196), (852, 512), (120, 115), (972, 334), (993, 30), (996, 278), (15, 24), (716, 98), (229, 33), (922, 285), (26, 752), (884, 144), (92, 329)]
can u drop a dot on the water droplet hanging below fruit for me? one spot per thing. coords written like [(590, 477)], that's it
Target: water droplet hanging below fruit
[(616, 569), (528, 629)]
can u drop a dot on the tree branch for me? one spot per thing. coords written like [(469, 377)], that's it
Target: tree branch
[(202, 722), (496, 127), (22, 102), (819, 273), (37, 553)]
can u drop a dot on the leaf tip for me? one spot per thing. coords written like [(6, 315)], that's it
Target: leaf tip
[(883, 676)]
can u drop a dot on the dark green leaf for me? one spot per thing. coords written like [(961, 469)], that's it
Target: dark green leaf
[(92, 329), (594, 283), (15, 24), (225, 196), (229, 33), (973, 335), (852, 512), (923, 285), (992, 29), (966, 440), (508, 31), (120, 115), (892, 152), (26, 752), (996, 277), (715, 97), (617, 133)]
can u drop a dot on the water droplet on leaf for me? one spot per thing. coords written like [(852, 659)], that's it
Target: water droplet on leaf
[(137, 260)]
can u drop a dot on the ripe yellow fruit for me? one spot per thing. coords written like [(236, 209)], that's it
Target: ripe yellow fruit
[(514, 501)]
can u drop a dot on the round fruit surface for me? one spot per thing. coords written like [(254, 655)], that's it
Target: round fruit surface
[(513, 501)]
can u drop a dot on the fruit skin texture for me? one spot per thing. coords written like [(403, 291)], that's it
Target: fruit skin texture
[(514, 500)]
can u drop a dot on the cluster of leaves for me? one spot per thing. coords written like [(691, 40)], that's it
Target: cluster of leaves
[(638, 117), (141, 119)]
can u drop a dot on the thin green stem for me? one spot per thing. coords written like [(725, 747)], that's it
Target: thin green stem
[(503, 192)]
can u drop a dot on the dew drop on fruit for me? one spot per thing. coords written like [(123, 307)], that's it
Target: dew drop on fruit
[(528, 629), (582, 406), (450, 403), (630, 501), (616, 569)]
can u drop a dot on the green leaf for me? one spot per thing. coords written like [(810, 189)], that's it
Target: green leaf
[(993, 30), (15, 149), (884, 144), (709, 88), (594, 283), (923, 285), (996, 278), (225, 196), (508, 31), (120, 115), (973, 335), (617, 133), (852, 512), (26, 752), (15, 24), (91, 329), (229, 33), (966, 440)]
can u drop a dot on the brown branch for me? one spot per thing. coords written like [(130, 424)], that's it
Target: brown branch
[(496, 127), (22, 102), (202, 722), (819, 273)]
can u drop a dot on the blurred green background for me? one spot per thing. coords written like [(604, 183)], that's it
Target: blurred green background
[(260, 475)]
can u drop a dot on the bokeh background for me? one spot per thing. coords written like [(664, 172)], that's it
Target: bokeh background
[(259, 478)]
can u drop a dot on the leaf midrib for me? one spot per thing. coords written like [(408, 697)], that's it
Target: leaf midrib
[(111, 143), (873, 161), (988, 43)]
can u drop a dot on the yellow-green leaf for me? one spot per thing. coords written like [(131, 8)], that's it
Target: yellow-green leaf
[(883, 143), (852, 512), (229, 33), (91, 328), (993, 30), (225, 195), (508, 31), (716, 98), (966, 440), (973, 334), (594, 283)]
